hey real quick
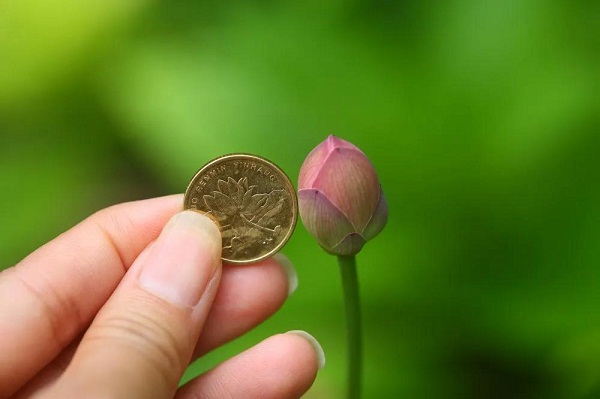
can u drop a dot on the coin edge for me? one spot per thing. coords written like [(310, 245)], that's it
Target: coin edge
[(293, 225)]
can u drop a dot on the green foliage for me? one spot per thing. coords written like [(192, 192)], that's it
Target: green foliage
[(481, 118)]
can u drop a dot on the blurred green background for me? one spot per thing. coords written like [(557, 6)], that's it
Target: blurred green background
[(481, 117)]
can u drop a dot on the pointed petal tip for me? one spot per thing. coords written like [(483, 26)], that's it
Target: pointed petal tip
[(334, 142), (318, 155), (331, 141)]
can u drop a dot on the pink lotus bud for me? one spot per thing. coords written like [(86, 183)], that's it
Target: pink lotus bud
[(340, 198)]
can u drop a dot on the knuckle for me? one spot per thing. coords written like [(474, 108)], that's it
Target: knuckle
[(54, 306)]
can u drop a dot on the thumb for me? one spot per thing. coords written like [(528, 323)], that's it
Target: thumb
[(141, 341)]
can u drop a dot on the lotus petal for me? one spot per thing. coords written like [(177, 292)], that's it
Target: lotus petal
[(322, 219), (379, 219)]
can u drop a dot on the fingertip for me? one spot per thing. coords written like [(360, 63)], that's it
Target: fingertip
[(315, 345), (183, 260), (202, 221), (290, 272), (282, 366)]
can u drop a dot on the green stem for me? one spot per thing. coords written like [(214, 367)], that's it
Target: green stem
[(353, 324)]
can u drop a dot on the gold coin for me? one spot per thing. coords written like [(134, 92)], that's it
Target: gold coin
[(251, 199)]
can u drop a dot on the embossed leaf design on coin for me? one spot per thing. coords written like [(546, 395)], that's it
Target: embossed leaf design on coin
[(245, 216), (251, 199)]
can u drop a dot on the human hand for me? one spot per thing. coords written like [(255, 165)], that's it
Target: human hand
[(108, 310)]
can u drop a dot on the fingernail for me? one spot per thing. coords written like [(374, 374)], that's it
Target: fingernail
[(289, 270), (314, 343), (183, 259)]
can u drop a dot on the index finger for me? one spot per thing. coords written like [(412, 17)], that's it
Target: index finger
[(50, 296)]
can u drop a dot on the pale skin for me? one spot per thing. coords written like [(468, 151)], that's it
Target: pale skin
[(119, 305)]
